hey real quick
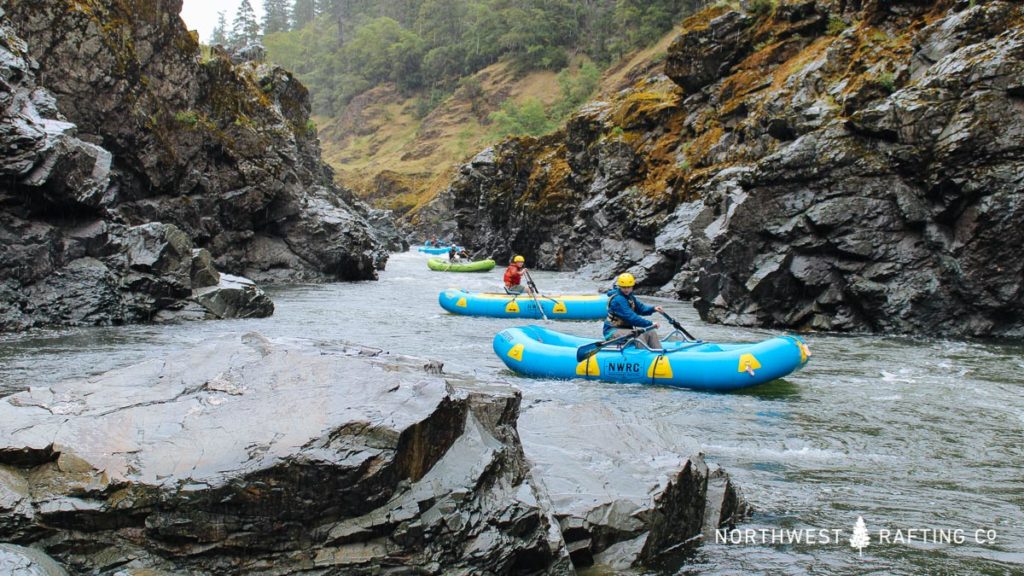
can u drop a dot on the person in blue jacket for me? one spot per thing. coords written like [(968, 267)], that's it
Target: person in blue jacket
[(625, 313)]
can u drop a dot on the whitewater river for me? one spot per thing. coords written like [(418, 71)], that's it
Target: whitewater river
[(907, 433)]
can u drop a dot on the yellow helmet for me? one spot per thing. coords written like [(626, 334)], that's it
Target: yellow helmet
[(626, 280), (519, 259)]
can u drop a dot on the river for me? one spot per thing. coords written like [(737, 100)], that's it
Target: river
[(907, 433)]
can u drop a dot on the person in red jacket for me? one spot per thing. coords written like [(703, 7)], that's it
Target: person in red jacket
[(514, 277)]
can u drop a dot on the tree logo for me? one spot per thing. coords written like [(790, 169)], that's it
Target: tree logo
[(860, 537)]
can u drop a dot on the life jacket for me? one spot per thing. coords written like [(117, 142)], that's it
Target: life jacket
[(513, 275), (615, 320)]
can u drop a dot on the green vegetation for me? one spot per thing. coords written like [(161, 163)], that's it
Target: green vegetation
[(528, 118), (531, 118), (836, 25), (345, 47), (886, 81), (187, 118), (762, 7)]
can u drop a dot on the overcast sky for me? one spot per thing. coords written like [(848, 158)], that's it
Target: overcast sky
[(201, 15)]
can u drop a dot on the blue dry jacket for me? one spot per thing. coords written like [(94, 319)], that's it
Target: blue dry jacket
[(619, 305)]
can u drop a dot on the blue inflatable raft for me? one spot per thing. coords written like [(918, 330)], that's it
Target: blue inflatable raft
[(499, 305), (435, 249), (537, 351)]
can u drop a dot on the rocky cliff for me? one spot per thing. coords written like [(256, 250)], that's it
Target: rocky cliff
[(830, 165), (112, 120)]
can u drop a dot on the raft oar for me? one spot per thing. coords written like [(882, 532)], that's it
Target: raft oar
[(533, 292), (588, 350), (678, 326)]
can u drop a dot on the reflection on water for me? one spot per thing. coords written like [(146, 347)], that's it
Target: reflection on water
[(904, 432)]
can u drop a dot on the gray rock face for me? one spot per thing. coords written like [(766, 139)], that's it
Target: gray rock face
[(702, 57), (807, 175), (21, 561), (196, 463), (612, 517), (898, 221), (226, 153)]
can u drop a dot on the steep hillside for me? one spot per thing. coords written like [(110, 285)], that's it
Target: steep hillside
[(831, 165), (395, 160)]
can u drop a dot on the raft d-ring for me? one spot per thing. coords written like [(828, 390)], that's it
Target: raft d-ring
[(750, 370)]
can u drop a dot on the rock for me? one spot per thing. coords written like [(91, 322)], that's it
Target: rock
[(21, 561), (203, 272), (704, 55), (194, 463), (234, 297), (225, 152), (249, 53), (609, 516)]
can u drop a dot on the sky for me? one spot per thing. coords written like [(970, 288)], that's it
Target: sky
[(201, 15)]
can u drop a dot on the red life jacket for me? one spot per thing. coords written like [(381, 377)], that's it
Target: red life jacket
[(513, 275)]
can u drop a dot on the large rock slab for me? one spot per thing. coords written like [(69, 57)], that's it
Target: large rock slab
[(245, 455)]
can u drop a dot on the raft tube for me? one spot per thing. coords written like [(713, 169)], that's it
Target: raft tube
[(442, 265), (543, 353), (499, 305)]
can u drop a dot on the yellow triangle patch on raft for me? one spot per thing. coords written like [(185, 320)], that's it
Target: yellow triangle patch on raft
[(748, 363), (516, 352), (559, 308), (588, 367), (512, 307), (461, 303), (660, 368)]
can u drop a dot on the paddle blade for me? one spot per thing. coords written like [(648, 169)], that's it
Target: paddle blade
[(586, 351)]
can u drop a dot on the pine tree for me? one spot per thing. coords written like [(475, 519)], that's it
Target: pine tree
[(860, 537), (303, 13), (245, 29), (219, 35), (275, 16)]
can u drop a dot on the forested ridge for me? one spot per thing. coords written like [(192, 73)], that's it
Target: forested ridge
[(341, 48)]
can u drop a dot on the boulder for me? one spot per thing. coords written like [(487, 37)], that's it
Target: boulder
[(196, 463), (623, 495), (234, 297)]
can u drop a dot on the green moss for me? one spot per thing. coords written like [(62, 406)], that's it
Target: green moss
[(836, 25), (886, 81), (187, 118), (762, 7)]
